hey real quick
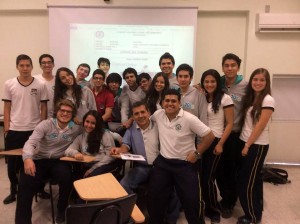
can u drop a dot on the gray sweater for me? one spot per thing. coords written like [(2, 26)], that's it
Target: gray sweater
[(102, 157), (195, 102), (48, 142)]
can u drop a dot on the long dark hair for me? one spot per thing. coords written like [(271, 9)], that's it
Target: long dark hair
[(94, 138), (252, 99), (152, 95), (218, 93), (60, 89)]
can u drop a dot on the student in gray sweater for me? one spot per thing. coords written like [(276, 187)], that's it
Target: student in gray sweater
[(93, 141), (41, 155)]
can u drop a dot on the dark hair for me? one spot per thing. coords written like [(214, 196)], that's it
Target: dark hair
[(45, 56), (251, 99), (167, 55), (171, 92), (152, 95), (60, 89), (105, 60), (185, 67), (64, 102), (138, 104), (128, 71), (218, 93), (114, 77), (99, 72), (23, 57), (94, 138), (85, 65), (144, 75), (231, 56)]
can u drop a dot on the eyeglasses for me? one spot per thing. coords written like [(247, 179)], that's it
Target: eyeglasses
[(46, 63), (98, 78), (65, 111)]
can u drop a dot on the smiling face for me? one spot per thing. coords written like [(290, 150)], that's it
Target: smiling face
[(171, 104), (47, 65), (66, 79), (230, 69), (210, 84), (82, 73), (258, 83), (159, 84), (141, 116), (166, 66), (64, 114), (98, 80), (89, 123)]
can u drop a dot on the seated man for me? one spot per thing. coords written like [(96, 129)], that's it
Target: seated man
[(41, 155), (142, 138)]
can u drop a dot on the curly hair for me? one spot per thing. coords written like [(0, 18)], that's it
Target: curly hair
[(95, 137)]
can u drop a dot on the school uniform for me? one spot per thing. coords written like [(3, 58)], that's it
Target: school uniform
[(250, 183)]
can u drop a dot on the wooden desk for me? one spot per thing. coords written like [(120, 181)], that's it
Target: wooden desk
[(86, 159), (13, 152), (104, 187)]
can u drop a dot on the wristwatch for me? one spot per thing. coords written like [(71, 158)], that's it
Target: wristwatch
[(197, 155)]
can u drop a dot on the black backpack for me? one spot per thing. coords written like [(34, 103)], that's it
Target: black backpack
[(274, 175)]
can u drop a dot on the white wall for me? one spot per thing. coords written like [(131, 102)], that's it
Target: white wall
[(24, 29)]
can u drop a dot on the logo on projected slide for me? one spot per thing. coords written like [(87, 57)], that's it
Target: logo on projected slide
[(99, 34)]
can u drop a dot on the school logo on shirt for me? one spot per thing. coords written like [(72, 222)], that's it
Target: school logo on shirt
[(33, 92), (236, 97), (188, 105), (52, 135), (66, 137), (178, 127)]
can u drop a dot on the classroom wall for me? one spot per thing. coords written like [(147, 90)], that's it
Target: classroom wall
[(223, 26)]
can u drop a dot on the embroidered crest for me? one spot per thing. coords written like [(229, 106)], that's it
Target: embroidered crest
[(66, 137), (178, 127)]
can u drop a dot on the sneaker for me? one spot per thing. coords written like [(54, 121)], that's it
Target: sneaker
[(226, 212), (60, 218), (244, 220), (44, 195), (9, 199)]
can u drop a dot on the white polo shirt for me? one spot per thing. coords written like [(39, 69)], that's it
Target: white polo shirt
[(248, 126), (216, 121), (177, 137)]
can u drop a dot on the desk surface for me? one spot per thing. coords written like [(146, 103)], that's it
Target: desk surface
[(103, 187), (86, 159), (13, 152)]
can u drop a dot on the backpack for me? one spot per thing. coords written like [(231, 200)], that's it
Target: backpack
[(274, 175)]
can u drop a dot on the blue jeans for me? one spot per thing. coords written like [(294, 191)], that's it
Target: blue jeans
[(136, 176)]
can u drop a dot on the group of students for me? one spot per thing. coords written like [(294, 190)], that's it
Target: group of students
[(192, 137)]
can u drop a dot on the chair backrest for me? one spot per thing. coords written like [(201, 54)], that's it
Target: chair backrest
[(116, 211)]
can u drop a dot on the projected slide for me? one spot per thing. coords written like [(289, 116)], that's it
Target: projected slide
[(137, 46)]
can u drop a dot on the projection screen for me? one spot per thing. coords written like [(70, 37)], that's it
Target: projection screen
[(128, 37)]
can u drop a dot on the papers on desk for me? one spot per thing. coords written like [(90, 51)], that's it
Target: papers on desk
[(128, 156)]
